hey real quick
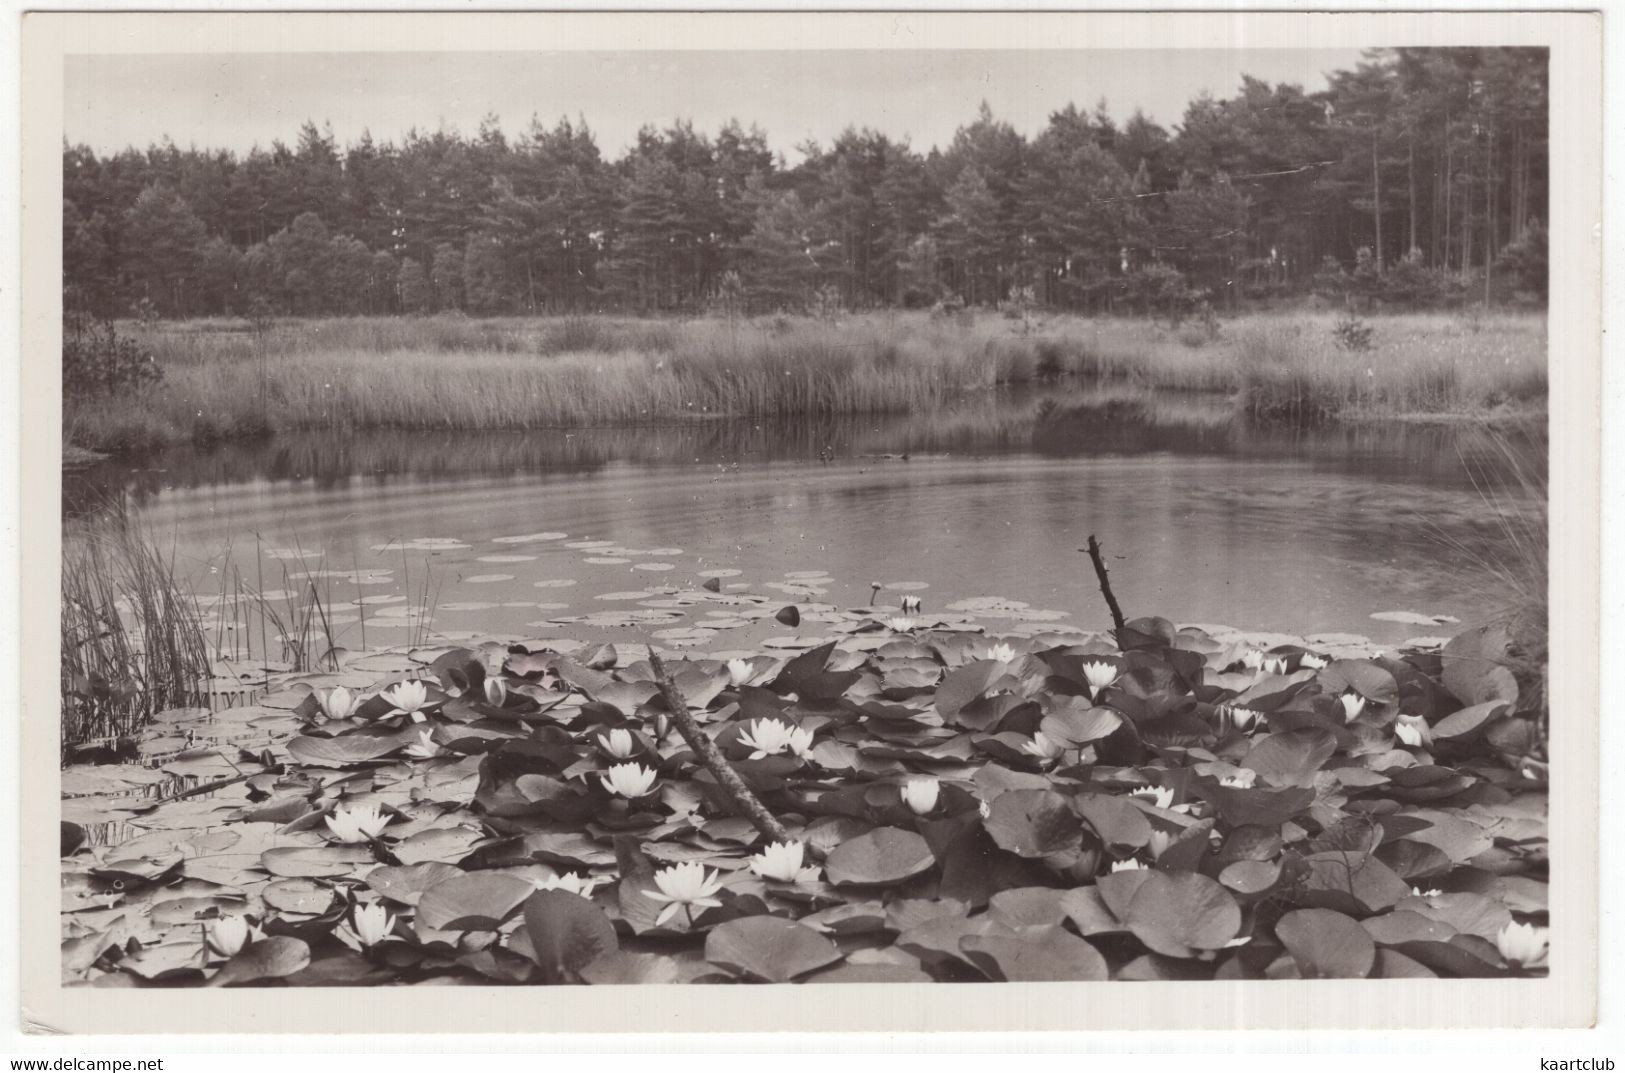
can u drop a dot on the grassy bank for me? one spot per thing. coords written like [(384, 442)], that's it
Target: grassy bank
[(225, 379)]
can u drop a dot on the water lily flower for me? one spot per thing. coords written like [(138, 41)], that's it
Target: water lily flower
[(336, 703), (1434, 893), (1353, 704), (770, 737), (984, 809), (1312, 661), (1159, 843), (921, 794), (1043, 747), (408, 698), (1414, 731), (901, 623), (568, 881), (1160, 796), (496, 692), (1241, 780), (424, 748), (229, 934), (629, 780), (1098, 674), (740, 671), (1130, 865), (911, 605), (1523, 944), (368, 926), (1253, 659), (618, 743), (686, 884), (783, 861), (1240, 719), (1001, 653), (1274, 664), (357, 823)]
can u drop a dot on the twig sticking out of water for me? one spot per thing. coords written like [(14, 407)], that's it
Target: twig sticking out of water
[(745, 803), (1105, 585)]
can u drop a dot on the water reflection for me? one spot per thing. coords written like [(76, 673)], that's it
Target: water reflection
[(1210, 521), (1070, 423)]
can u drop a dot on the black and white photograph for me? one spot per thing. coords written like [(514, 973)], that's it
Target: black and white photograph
[(774, 514)]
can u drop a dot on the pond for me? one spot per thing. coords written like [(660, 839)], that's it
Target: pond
[(597, 532)]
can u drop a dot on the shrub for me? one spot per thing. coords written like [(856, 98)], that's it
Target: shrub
[(96, 360), (1353, 334)]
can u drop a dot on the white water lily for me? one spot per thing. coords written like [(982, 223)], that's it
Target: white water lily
[(1160, 796), (901, 623), (357, 823), (424, 748), (1313, 662), (496, 692), (368, 926), (618, 743), (783, 861), (1241, 780), (770, 737), (1043, 747), (570, 882), (1231, 717), (1274, 664), (1253, 659), (740, 671), (1414, 731), (229, 934), (1353, 704), (1130, 865), (629, 780), (686, 884), (1159, 843), (336, 703), (1523, 944), (407, 698), (984, 809), (911, 605), (921, 794), (1098, 674), (1433, 893), (1001, 653)]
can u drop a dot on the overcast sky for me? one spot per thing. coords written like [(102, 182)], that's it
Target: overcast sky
[(239, 100)]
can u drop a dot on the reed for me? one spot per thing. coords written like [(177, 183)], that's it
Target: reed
[(132, 639), (224, 379)]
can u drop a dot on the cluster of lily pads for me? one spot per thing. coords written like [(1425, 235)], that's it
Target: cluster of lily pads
[(1160, 804)]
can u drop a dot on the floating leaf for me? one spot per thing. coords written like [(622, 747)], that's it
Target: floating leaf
[(1048, 953), (347, 749), (1292, 758), (1034, 823), (884, 856), (308, 861), (298, 896), (1179, 914), (1326, 944), (267, 959), (407, 884), (479, 901), (567, 933), (768, 948)]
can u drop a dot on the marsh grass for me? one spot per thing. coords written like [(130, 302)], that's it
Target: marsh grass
[(132, 639), (224, 380)]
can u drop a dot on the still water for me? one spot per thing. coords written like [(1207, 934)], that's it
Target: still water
[(524, 534)]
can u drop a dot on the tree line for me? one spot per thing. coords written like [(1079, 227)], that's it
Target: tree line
[(1418, 177)]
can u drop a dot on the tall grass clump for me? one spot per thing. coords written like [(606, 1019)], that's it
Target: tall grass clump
[(132, 641)]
